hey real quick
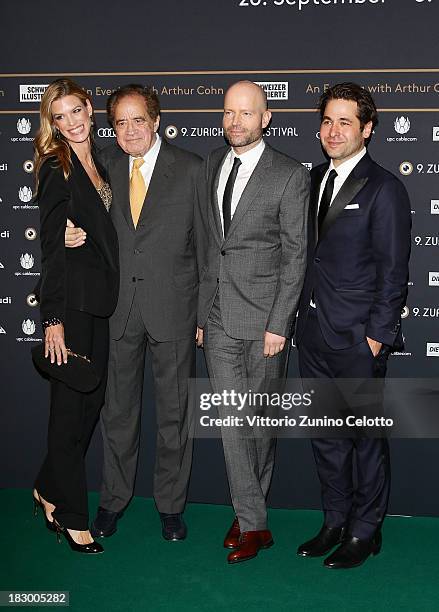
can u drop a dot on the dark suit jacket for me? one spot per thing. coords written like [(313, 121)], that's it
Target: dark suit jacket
[(358, 268), (159, 259), (260, 266), (85, 279)]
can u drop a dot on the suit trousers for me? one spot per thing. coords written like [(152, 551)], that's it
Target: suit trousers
[(173, 363), (361, 508), (73, 416), (234, 364)]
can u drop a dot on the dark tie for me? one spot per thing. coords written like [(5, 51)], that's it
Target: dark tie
[(326, 198), (227, 197)]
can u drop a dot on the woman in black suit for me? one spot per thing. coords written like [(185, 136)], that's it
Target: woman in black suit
[(78, 293)]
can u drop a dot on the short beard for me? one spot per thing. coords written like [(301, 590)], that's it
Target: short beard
[(245, 139)]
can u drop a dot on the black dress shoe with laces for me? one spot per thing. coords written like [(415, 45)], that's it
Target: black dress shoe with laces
[(105, 523), (353, 552), (173, 526), (327, 538)]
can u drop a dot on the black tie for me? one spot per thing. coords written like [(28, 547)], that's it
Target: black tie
[(227, 197), (326, 198)]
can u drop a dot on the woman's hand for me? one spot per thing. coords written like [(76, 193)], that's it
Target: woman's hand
[(74, 236), (54, 344), (199, 337)]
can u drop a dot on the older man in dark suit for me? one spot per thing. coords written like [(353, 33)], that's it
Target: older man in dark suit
[(250, 290), (157, 215), (349, 313)]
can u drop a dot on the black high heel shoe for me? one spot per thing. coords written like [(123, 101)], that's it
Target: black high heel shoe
[(89, 549), (39, 504)]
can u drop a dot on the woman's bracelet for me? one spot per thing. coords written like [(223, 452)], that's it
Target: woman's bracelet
[(49, 322)]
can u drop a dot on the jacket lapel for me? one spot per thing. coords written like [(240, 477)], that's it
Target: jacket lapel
[(120, 185), (158, 187), (86, 183), (216, 171), (254, 184), (317, 178), (352, 185), (89, 203)]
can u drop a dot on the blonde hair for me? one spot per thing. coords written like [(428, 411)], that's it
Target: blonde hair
[(48, 142)]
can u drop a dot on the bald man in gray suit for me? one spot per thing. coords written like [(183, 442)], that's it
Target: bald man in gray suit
[(249, 292)]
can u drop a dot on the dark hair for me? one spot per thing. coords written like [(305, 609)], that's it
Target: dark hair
[(147, 93), (367, 110)]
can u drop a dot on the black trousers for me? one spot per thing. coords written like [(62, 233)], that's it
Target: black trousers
[(73, 416), (360, 505)]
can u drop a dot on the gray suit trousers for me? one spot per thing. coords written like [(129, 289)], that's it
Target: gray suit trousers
[(173, 363), (249, 459)]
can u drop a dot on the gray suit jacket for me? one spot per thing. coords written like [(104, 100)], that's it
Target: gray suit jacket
[(161, 258), (259, 268)]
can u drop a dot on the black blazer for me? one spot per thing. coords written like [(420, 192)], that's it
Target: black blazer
[(358, 266), (85, 279)]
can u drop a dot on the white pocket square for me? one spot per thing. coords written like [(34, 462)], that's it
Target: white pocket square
[(351, 206)]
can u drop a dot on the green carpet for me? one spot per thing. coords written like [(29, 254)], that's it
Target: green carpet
[(140, 571)]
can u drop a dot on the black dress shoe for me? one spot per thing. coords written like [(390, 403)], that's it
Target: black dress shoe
[(353, 552), (327, 538), (173, 526), (105, 523)]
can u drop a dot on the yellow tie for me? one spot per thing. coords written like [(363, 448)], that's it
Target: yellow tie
[(137, 190)]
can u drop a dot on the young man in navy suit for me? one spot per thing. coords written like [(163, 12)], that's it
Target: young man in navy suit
[(349, 313)]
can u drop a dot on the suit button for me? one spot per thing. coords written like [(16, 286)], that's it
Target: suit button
[(217, 280), (134, 279), (223, 253), (317, 260)]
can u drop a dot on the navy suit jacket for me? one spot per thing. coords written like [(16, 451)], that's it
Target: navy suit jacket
[(358, 267)]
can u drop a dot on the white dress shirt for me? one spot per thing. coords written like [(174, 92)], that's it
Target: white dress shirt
[(150, 159), (343, 171), (249, 160)]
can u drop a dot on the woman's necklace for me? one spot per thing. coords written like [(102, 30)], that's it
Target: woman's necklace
[(103, 189), (100, 180)]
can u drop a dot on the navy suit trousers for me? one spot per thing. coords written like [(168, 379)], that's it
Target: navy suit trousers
[(354, 473)]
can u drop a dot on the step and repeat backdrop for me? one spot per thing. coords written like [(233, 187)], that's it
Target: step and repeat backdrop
[(190, 58)]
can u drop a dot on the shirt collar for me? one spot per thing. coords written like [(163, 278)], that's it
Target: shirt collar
[(252, 156), (344, 169), (152, 153)]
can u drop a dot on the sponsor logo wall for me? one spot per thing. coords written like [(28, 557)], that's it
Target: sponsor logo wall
[(404, 142), (282, 47)]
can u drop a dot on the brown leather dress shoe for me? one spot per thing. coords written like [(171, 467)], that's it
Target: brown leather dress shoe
[(232, 536), (250, 543)]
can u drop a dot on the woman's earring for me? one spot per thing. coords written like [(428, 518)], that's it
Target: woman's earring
[(91, 121)]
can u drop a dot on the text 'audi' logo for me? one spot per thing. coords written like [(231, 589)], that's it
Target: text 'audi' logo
[(106, 133)]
